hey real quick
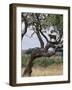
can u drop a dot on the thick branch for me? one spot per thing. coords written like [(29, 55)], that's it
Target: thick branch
[(38, 52), (38, 29), (40, 39)]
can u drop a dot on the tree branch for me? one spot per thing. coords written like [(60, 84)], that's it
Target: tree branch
[(44, 36), (26, 25), (40, 39)]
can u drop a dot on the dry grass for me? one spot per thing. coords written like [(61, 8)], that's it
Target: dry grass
[(54, 69)]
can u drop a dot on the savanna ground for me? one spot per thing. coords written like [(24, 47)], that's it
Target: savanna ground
[(44, 66)]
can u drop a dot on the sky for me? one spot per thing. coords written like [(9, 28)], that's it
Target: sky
[(32, 42)]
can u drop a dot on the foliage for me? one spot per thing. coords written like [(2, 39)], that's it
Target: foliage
[(54, 20), (44, 19)]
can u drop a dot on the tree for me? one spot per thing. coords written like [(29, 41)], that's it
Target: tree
[(40, 22)]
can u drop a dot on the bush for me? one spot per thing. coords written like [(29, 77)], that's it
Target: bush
[(42, 61)]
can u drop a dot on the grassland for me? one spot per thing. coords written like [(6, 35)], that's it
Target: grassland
[(44, 66)]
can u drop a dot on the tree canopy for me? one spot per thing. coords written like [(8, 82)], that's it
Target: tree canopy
[(40, 22)]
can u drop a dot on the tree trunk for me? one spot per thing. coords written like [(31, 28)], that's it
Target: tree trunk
[(39, 52)]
